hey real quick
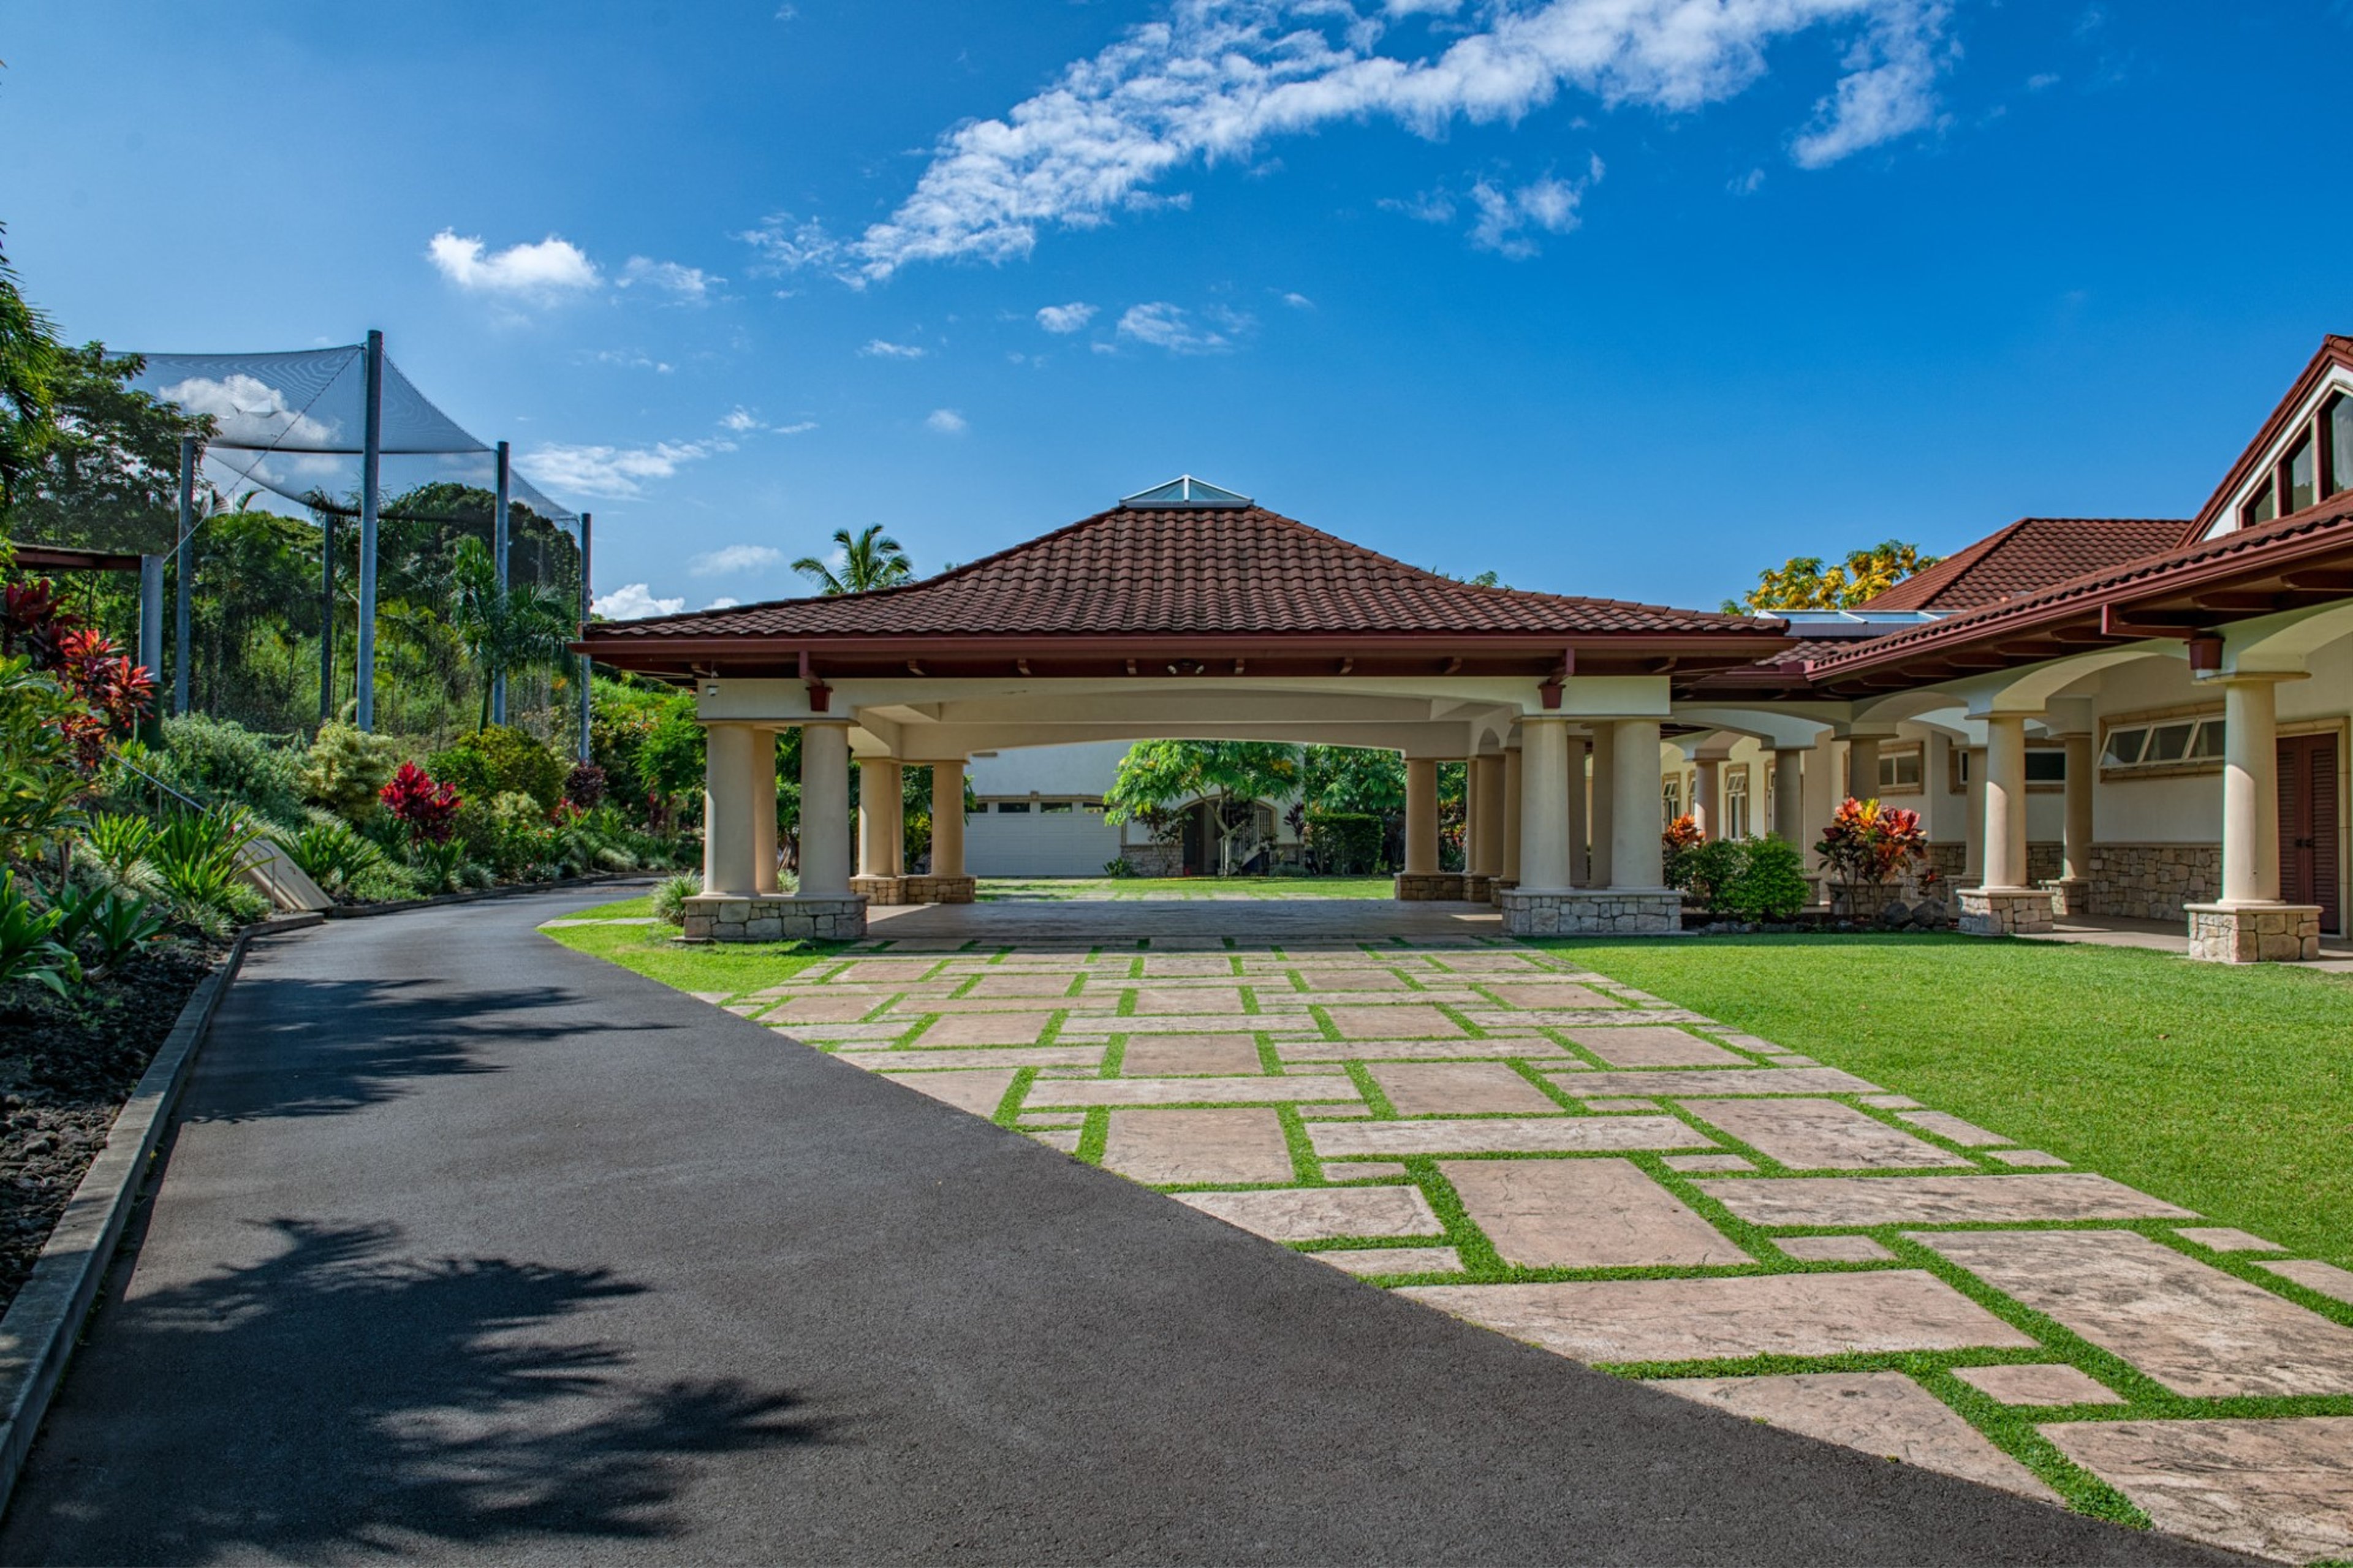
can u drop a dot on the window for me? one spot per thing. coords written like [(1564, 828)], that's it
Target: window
[(1735, 804), (1051, 806), (2170, 744), (1900, 772), (2261, 507), (1957, 775), (2340, 445), (2046, 765), (1012, 807), (1671, 795), (2297, 473)]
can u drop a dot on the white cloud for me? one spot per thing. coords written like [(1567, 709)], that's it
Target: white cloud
[(947, 422), (684, 285), (1067, 318), (723, 602), (1215, 78), (878, 349), (1506, 217), (801, 429), (1165, 326), (1748, 185), (2040, 80), (620, 472), (250, 412), (734, 558), (632, 360), (552, 269), (741, 419), (634, 602), (1299, 301)]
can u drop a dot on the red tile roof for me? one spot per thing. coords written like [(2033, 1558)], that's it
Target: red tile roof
[(2029, 555), (1225, 571), (2335, 351)]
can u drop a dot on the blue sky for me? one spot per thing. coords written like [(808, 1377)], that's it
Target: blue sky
[(1619, 296)]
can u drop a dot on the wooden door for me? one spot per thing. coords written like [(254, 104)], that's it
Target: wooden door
[(2307, 802)]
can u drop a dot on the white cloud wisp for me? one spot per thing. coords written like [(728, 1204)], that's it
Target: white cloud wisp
[(552, 269), (1218, 77), (620, 473), (733, 558), (634, 602)]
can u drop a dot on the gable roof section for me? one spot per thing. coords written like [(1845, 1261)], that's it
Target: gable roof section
[(2031, 554), (2336, 352), (1143, 572)]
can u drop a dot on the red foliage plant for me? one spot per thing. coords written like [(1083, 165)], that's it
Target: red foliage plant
[(114, 691), (34, 622), (1868, 844), (1682, 833), (429, 810)]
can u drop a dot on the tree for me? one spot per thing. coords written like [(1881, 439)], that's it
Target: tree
[(870, 559), (503, 630), (1354, 780), (1230, 775), (28, 365), (106, 474), (1802, 583)]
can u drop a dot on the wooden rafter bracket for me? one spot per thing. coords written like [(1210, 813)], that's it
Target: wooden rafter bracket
[(821, 695)]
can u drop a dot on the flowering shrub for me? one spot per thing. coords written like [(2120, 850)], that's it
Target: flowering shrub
[(1682, 833), (427, 809), (1869, 845)]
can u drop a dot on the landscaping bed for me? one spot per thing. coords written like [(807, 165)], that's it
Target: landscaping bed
[(66, 1067)]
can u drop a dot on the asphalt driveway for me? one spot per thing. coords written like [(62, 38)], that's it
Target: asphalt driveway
[(471, 1248)]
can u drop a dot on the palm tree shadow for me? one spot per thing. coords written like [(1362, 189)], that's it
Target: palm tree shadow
[(335, 1395)]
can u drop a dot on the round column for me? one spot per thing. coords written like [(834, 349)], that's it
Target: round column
[(762, 810), (947, 818), (1635, 852), (1543, 864), (2005, 801), (1514, 766), (2076, 865), (2251, 862), (1707, 795), (1420, 817), (1862, 767), (825, 810), (730, 844), (878, 779), (1603, 842), (1790, 795), (1973, 855), (1579, 877), (1485, 789), (1821, 802)]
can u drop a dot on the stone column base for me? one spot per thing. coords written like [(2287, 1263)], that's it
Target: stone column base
[(1497, 886), (770, 917), (1592, 911), (2253, 933), (2005, 911), (2069, 896), (914, 889), (1430, 887), (1478, 889)]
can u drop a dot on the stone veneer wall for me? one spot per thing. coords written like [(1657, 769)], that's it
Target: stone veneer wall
[(1155, 859), (719, 917), (1987, 913), (918, 889), (2043, 862), (2287, 934), (1428, 886), (1600, 912), (2154, 882)]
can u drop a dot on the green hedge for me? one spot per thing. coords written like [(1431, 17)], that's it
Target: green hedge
[(1346, 843)]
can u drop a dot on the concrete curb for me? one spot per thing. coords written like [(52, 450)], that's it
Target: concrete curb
[(44, 1322), (511, 890)]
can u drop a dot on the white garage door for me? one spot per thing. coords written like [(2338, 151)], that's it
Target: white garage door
[(1038, 844)]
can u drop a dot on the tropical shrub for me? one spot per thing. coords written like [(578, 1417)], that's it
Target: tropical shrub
[(1346, 843), (426, 810), (498, 759), (1866, 846), (113, 693), (333, 854), (200, 856), (584, 786), (346, 768), (522, 840), (29, 950), (217, 761), (118, 841), (671, 895), (39, 786), (1705, 870), (1769, 883), (111, 924)]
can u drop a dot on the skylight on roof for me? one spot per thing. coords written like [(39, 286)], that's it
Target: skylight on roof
[(1183, 490)]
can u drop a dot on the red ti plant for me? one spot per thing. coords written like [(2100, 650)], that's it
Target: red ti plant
[(114, 692), (34, 622), (429, 810), (1867, 846)]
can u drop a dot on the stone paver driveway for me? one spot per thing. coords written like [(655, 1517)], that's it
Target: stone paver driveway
[(1508, 1137)]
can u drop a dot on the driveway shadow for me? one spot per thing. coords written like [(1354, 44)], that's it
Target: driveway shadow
[(336, 1396)]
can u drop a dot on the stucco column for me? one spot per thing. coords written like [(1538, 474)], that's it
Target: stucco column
[(762, 809), (1420, 815), (2251, 860), (947, 818), (825, 810), (1707, 797), (1579, 877), (2005, 801), (2076, 864), (1543, 752), (1789, 797), (1635, 855), (879, 803), (730, 842), (1973, 852), (1862, 767), (1514, 766), (1485, 789), (1603, 796), (1821, 801)]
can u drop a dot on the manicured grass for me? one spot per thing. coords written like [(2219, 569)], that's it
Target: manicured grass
[(653, 952), (2229, 1090), (1059, 888)]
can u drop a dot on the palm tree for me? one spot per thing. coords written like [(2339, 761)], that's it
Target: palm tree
[(870, 560), (521, 627)]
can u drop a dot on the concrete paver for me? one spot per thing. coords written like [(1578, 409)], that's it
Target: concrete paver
[(1654, 1046), (1173, 1055), (1507, 1135), (1818, 1135), (1584, 1214), (2050, 1383), (1166, 1147), (1937, 1200), (1321, 1214), (2281, 1489), (1459, 1089)]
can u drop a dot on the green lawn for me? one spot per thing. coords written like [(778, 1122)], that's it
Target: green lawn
[(2229, 1090), (997, 888), (653, 952)]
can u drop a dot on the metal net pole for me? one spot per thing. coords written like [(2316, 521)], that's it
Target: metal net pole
[(499, 547), (586, 600), (186, 569), (371, 463)]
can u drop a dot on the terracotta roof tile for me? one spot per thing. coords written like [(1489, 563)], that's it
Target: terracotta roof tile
[(2029, 555), (1229, 571)]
